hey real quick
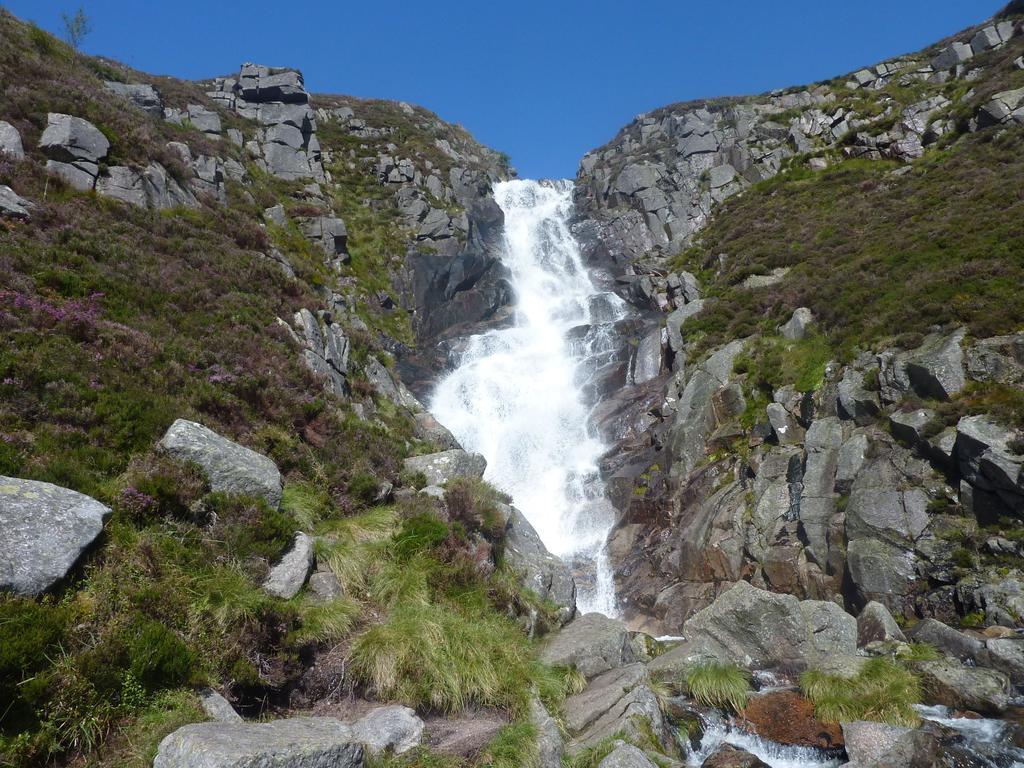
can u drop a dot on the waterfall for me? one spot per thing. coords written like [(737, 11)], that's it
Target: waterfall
[(517, 394)]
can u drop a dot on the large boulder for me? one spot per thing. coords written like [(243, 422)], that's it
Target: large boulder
[(292, 571), (1007, 655), (13, 205), (728, 756), (786, 717), (75, 148), (395, 729), (947, 640), (760, 629), (618, 702), (877, 745), (983, 449), (217, 707), (143, 95), (593, 643), (952, 684), (797, 326), (229, 467), (44, 530), (301, 742), (936, 369), (876, 624), (10, 141), (542, 572), (440, 468)]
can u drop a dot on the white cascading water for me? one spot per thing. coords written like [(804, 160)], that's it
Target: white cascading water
[(517, 393)]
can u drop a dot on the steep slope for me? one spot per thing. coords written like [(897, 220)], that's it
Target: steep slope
[(840, 268), (240, 254)]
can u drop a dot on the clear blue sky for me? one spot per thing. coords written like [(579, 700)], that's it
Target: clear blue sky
[(544, 80)]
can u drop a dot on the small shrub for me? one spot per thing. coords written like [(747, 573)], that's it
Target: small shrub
[(973, 619), (30, 633), (307, 503), (250, 527), (415, 480), (363, 488), (474, 504), (725, 686), (515, 746), (159, 658), (419, 533), (916, 651)]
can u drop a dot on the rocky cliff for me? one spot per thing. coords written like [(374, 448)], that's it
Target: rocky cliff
[(828, 376)]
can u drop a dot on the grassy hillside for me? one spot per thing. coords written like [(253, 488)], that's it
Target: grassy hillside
[(114, 321)]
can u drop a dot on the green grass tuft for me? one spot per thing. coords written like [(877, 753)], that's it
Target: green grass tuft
[(882, 691), (726, 686)]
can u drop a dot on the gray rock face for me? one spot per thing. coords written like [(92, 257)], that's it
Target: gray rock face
[(442, 467), (44, 530), (797, 326), (75, 148), (290, 574), (986, 461), (875, 624), (541, 571), (877, 745), (1007, 655), (326, 348), (953, 685), (10, 141), (616, 703), (947, 639), (626, 756), (143, 95), (217, 707), (936, 369), (550, 744), (229, 467), (13, 205), (593, 643), (395, 729), (855, 400), (301, 742), (880, 571), (951, 56), (762, 629)]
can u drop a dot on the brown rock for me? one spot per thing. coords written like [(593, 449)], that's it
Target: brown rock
[(730, 757), (787, 717)]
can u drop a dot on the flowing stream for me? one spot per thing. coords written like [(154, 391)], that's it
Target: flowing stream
[(518, 394)]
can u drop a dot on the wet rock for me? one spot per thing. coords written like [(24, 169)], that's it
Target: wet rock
[(951, 684), (542, 572), (728, 756), (593, 643), (229, 467), (301, 742), (616, 703), (877, 745), (786, 717), (876, 624), (440, 468), (394, 729), (290, 574), (44, 531)]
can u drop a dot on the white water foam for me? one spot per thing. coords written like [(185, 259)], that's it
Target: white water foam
[(517, 394), (719, 731)]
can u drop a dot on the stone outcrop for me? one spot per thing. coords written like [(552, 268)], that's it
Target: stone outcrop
[(44, 531), (144, 96), (301, 742), (592, 643), (440, 468), (963, 687), (229, 467), (761, 629), (10, 141), (75, 148), (541, 572), (13, 205), (290, 574), (326, 348)]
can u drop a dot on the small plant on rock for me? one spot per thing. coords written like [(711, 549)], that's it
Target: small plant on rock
[(726, 686)]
